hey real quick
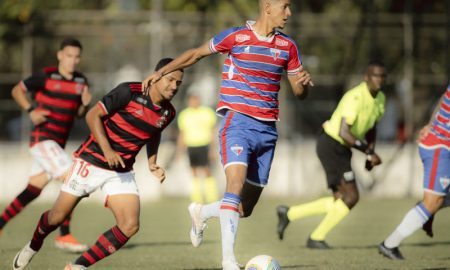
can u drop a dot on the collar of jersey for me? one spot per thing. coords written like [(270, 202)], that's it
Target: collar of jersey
[(367, 91), (259, 37)]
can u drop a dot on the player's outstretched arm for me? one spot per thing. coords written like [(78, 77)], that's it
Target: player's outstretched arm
[(186, 59), (300, 83), (94, 121)]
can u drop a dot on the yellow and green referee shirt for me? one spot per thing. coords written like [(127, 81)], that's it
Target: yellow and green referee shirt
[(360, 110), (196, 125)]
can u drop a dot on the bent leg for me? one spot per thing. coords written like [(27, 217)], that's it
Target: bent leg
[(126, 208), (51, 219)]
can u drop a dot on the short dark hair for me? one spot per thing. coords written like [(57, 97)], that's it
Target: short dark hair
[(376, 63), (163, 62), (70, 42)]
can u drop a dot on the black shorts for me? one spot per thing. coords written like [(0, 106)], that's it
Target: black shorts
[(198, 156), (335, 159)]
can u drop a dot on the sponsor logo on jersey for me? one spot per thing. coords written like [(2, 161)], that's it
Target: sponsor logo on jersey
[(141, 100), (444, 182), (237, 149), (247, 49), (242, 38), (281, 43), (275, 53), (79, 80), (56, 76)]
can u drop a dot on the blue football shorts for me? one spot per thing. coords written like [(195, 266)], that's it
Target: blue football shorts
[(250, 142), (436, 165)]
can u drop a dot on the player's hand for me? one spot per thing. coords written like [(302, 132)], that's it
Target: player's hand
[(304, 77), (424, 132), (152, 79), (86, 96), (158, 172), (114, 159), (38, 116), (372, 160)]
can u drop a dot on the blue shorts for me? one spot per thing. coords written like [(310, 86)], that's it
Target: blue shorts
[(250, 142), (436, 166)]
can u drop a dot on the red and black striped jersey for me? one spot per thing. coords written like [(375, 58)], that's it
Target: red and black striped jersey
[(131, 121), (58, 95)]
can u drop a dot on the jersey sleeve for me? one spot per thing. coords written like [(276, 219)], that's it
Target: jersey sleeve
[(153, 145), (294, 62), (350, 104), (223, 42), (35, 82), (116, 99)]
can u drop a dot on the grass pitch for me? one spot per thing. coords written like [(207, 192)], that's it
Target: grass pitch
[(163, 240)]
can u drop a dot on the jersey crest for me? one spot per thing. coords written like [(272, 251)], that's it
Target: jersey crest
[(237, 149)]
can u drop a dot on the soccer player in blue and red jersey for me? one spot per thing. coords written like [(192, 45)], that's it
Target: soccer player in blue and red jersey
[(257, 56), (434, 150), (122, 123), (60, 94)]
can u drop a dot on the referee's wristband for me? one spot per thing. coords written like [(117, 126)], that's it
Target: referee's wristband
[(361, 146), (31, 109)]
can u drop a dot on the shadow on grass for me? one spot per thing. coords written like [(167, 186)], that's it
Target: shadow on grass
[(161, 244), (442, 243)]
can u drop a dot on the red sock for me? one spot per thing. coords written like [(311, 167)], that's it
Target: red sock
[(42, 230), (15, 207)]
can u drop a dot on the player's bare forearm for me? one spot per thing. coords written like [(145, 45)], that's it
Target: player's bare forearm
[(95, 124), (82, 111), (186, 59), (20, 96), (371, 136)]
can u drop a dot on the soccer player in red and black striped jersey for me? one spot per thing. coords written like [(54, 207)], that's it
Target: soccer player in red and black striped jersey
[(59, 94), (122, 123)]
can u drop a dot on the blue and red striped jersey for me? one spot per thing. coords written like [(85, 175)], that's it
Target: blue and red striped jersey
[(252, 71), (131, 121), (59, 96), (440, 127)]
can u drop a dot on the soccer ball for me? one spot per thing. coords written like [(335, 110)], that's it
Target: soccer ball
[(263, 262)]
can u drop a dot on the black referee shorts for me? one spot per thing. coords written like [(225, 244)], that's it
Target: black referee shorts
[(198, 156), (335, 159)]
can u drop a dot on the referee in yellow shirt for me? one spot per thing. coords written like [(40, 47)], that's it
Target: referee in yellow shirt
[(353, 121), (197, 124)]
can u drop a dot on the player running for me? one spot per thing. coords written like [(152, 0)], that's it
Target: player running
[(355, 118), (434, 150), (60, 93), (121, 124), (257, 56)]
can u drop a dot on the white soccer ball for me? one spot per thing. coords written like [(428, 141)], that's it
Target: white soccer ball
[(263, 262)]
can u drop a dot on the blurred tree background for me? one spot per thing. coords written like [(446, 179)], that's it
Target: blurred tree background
[(337, 39)]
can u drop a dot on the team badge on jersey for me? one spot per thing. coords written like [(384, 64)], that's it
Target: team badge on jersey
[(237, 149), (163, 120), (275, 53), (444, 182), (79, 88)]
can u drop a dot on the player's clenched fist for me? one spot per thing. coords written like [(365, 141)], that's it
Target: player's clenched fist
[(38, 116), (158, 172)]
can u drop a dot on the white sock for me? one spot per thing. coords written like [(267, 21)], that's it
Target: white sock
[(210, 210), (229, 221), (412, 221)]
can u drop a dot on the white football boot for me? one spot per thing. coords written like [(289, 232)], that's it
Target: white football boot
[(231, 265), (198, 225), (23, 257)]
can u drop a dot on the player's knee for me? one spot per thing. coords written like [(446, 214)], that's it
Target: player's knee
[(129, 227), (351, 199)]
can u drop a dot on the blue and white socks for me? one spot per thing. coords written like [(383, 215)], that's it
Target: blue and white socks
[(412, 221), (229, 221)]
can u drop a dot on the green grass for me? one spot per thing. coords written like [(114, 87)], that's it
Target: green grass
[(163, 240)]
